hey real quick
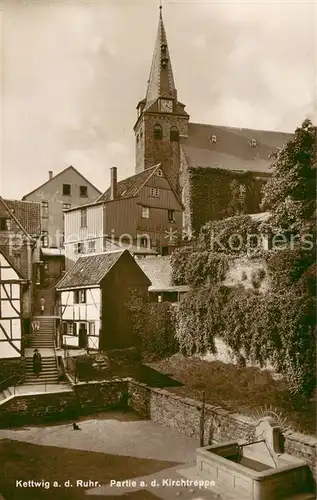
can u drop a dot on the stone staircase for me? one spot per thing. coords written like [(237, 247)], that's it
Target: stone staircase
[(44, 341), (48, 294)]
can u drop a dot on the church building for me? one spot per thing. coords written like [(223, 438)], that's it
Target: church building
[(218, 171)]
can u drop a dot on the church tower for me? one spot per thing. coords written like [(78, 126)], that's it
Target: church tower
[(161, 118)]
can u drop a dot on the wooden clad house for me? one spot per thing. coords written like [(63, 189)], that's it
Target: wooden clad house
[(94, 297), (12, 282), (143, 211)]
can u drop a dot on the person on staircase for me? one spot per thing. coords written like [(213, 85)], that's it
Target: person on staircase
[(37, 363), (42, 303)]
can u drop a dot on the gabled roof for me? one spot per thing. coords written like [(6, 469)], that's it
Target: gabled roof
[(159, 272), (28, 213), (91, 269), (130, 187), (14, 218), (232, 150), (60, 173), (161, 80)]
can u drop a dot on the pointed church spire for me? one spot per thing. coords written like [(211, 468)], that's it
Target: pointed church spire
[(161, 80)]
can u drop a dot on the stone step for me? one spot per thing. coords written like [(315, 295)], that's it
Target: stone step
[(50, 379)]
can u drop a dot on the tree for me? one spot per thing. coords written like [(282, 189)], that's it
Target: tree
[(290, 194)]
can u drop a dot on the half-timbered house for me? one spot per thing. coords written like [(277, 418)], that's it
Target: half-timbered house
[(94, 300), (20, 230), (12, 283)]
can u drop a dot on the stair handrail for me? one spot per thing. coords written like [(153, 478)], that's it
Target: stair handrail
[(73, 361)]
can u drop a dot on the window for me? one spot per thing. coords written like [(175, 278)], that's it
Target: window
[(83, 217), (155, 192), (137, 139), (5, 224), (145, 213), (82, 296), (83, 191), (92, 328), (45, 240), (79, 296), (91, 246), (159, 172), (213, 138), (44, 209), (67, 189), (46, 266), (157, 132), (17, 259), (66, 206), (164, 251), (171, 215), (144, 242), (174, 134), (252, 143), (79, 248)]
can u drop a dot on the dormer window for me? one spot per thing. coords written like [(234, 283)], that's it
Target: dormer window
[(213, 138), (252, 143)]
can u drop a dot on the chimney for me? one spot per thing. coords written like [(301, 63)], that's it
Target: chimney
[(50, 174), (113, 183)]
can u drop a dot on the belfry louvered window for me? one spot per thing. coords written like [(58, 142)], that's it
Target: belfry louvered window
[(174, 134), (157, 132)]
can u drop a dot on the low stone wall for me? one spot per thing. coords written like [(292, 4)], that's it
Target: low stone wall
[(101, 396), (36, 408), (83, 399), (184, 415)]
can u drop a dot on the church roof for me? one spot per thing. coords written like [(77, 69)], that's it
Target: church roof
[(161, 80), (231, 148)]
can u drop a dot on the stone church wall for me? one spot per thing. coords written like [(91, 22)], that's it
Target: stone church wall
[(207, 194)]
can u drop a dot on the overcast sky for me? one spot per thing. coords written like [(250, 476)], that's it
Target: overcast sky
[(73, 72)]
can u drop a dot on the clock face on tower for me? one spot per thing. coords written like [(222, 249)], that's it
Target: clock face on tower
[(166, 105)]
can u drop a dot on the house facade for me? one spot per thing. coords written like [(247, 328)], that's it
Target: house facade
[(12, 284), (94, 300), (60, 192), (142, 212)]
